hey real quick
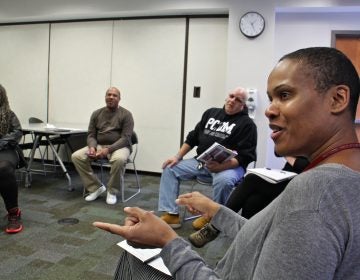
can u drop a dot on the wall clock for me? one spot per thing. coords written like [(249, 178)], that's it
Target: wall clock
[(252, 24)]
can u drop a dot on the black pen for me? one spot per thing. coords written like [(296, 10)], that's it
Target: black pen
[(149, 260)]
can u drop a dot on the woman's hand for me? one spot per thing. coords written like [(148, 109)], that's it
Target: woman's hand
[(198, 203), (142, 227)]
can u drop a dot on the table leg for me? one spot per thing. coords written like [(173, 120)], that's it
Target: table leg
[(60, 162)]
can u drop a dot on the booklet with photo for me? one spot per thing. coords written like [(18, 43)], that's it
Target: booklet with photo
[(271, 175), (148, 256), (216, 152)]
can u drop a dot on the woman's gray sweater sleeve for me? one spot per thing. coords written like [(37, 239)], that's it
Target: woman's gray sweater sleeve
[(181, 260)]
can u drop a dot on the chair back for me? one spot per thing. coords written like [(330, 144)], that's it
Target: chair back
[(134, 138), (29, 145), (134, 142), (251, 165), (34, 120)]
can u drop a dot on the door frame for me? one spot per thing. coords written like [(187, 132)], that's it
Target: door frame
[(347, 33), (343, 33)]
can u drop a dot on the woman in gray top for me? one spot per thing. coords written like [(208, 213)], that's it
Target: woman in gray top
[(310, 231)]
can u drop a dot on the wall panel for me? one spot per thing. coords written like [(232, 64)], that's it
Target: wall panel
[(206, 67), (80, 65), (24, 53), (148, 68)]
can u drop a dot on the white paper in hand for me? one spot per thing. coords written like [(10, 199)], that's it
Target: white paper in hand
[(271, 175), (145, 255)]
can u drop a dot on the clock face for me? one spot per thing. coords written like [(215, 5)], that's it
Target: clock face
[(252, 24)]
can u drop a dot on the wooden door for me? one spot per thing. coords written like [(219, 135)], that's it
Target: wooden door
[(350, 45)]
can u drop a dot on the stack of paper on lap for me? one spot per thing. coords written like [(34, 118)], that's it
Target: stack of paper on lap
[(271, 175)]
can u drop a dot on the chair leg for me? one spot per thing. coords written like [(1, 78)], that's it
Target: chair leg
[(188, 218), (192, 217), (85, 193), (136, 177), (122, 182), (122, 185), (22, 175), (28, 178), (101, 172)]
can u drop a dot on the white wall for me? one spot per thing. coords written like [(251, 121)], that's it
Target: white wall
[(248, 61), (296, 30), (79, 71), (312, 29), (30, 44), (148, 69)]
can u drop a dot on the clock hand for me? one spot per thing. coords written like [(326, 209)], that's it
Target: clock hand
[(252, 25)]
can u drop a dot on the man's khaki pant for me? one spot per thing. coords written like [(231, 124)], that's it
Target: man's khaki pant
[(117, 160)]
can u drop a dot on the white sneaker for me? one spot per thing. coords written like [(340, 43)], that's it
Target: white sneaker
[(111, 198), (94, 195)]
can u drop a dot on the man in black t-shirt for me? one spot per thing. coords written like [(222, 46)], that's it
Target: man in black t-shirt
[(231, 127)]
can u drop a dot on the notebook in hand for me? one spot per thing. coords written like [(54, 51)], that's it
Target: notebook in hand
[(271, 175), (216, 152)]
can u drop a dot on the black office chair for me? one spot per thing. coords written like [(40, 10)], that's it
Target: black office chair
[(33, 120), (55, 140), (29, 145)]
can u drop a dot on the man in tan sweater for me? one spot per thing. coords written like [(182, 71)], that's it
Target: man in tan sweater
[(109, 136)]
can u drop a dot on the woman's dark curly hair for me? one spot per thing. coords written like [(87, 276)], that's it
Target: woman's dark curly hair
[(4, 112)]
